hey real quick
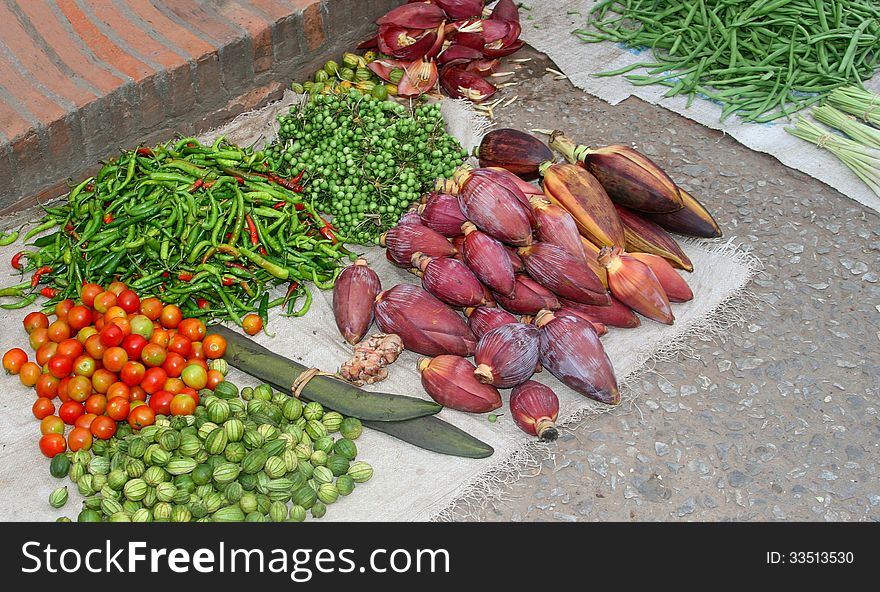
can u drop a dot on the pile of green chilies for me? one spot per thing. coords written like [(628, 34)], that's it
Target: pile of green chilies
[(209, 228), (761, 59)]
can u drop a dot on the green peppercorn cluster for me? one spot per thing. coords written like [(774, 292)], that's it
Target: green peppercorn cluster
[(365, 159), (262, 457)]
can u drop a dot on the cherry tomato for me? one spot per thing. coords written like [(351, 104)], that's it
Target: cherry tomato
[(47, 386), (153, 380), (252, 324), (104, 301), (38, 337), (14, 359), (173, 385), (60, 366), (141, 417), (133, 345), (29, 373), (103, 428), (119, 389), (62, 389), (192, 329), (62, 309), (99, 324), (174, 364), (180, 345), (79, 439), (160, 402), (58, 331), (111, 335), (79, 317), (52, 444), (182, 405), (43, 408), (70, 411), (154, 354), (79, 388), (132, 373), (160, 337), (192, 393), (117, 287), (84, 365), (89, 292), (114, 359), (141, 325), (118, 408), (129, 302), (215, 377), (45, 352), (70, 348), (102, 379), (35, 320), (195, 376), (151, 308), (85, 420), (198, 351), (214, 346), (171, 316), (96, 404), (115, 313), (95, 347), (85, 333), (198, 362), (51, 424), (138, 394)]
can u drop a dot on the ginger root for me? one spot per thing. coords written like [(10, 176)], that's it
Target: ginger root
[(367, 366)]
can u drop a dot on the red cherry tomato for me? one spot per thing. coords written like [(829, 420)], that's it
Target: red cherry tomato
[(132, 373), (198, 351), (14, 359), (58, 331), (192, 329), (96, 404), (133, 345), (174, 364), (114, 359), (29, 373), (94, 347), (35, 320), (70, 412), (215, 377), (79, 317), (111, 335), (252, 324), (70, 348), (104, 301), (60, 366), (153, 380), (117, 408), (43, 408), (52, 444), (129, 302), (89, 292), (85, 420), (192, 393), (117, 287), (138, 394), (38, 337), (171, 316), (79, 439), (119, 389), (103, 428), (160, 402), (45, 352), (141, 417), (47, 386), (63, 308), (180, 345), (151, 308), (51, 424)]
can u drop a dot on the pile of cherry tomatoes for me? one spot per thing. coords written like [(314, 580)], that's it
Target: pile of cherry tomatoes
[(112, 357)]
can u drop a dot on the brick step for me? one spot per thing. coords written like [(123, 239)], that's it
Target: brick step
[(81, 79)]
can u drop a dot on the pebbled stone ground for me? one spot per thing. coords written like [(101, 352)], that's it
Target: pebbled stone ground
[(776, 420)]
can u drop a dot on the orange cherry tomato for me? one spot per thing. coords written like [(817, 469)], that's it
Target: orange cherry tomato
[(104, 301), (153, 355), (192, 329), (85, 420), (29, 374), (252, 324), (102, 379), (99, 324), (79, 317), (117, 287), (43, 408), (85, 333), (197, 362), (114, 359), (215, 377), (63, 308), (173, 385), (70, 411), (160, 337), (79, 388), (52, 444), (45, 352), (58, 331), (141, 417), (118, 408), (79, 439), (38, 337), (214, 346), (114, 314), (96, 404), (151, 308), (103, 428), (94, 347), (89, 292), (198, 351), (51, 424), (132, 373), (14, 359), (119, 389), (138, 394), (62, 389), (192, 393), (70, 348), (35, 320), (47, 386), (182, 404), (171, 316)]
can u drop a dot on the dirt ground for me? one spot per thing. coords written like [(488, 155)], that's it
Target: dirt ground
[(778, 419)]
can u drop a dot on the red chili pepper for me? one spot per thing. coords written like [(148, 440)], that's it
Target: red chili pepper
[(184, 276), (49, 292), (327, 233), (145, 152), (90, 187), (16, 260), (38, 275), (227, 281), (202, 303), (239, 180), (252, 229), (262, 250), (165, 274), (196, 185), (108, 218), (68, 227), (279, 205), (299, 177), (208, 184), (290, 290)]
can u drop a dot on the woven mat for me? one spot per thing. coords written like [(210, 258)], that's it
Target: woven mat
[(409, 483)]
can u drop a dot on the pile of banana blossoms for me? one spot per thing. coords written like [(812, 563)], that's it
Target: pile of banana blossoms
[(453, 43)]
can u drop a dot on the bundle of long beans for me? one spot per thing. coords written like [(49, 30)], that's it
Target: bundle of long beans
[(209, 228), (760, 59)]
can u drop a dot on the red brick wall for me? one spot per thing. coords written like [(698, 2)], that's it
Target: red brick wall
[(80, 79)]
